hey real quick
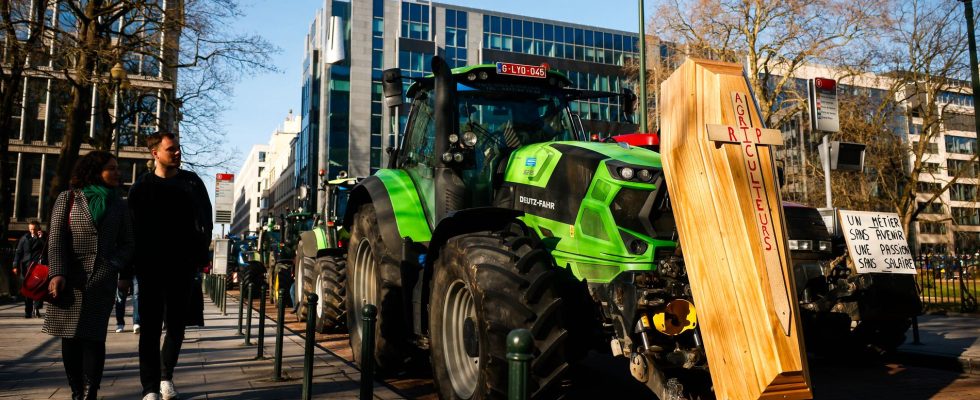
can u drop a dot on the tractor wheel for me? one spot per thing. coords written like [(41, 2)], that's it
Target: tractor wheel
[(303, 284), (331, 288), (366, 263), (882, 337), (485, 285)]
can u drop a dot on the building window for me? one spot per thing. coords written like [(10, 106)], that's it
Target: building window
[(963, 192), (961, 168), (965, 216), (456, 35), (960, 145), (542, 39), (931, 148), (261, 156), (377, 95), (932, 228), (415, 21), (928, 187), (933, 208)]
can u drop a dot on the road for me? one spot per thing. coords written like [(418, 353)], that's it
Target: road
[(600, 375)]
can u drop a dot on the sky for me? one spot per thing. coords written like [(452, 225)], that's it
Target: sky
[(260, 103)]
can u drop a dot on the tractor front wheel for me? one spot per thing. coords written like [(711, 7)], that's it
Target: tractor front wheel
[(485, 285), (331, 288), (367, 263)]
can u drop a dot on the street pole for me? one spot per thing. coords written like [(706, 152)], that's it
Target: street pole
[(643, 74), (825, 160), (974, 72)]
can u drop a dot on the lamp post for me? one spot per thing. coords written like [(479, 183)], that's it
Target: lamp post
[(120, 81), (643, 73), (974, 73)]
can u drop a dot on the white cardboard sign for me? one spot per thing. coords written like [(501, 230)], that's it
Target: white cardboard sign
[(876, 242)]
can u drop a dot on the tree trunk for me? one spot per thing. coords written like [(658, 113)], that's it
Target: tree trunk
[(79, 110)]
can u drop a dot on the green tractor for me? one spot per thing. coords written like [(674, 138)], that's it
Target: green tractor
[(495, 214), (321, 258), (284, 239)]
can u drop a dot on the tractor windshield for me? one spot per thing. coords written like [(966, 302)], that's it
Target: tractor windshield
[(510, 119)]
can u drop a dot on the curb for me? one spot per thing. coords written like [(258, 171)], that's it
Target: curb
[(966, 365)]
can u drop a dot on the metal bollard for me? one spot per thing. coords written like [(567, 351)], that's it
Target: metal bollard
[(260, 352), (311, 300), (368, 320), (520, 344), (223, 288), (280, 321), (241, 308), (915, 330), (248, 323)]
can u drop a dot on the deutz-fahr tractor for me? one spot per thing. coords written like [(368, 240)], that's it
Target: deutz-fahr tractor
[(321, 258), (495, 214)]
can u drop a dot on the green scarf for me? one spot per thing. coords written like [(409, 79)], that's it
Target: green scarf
[(98, 200)]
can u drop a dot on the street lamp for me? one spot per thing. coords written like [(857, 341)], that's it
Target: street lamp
[(120, 81), (974, 73)]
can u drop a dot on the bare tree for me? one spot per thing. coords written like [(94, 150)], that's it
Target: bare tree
[(20, 36), (158, 43), (774, 39)]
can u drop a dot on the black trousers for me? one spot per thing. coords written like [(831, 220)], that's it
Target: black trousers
[(162, 299), (84, 362)]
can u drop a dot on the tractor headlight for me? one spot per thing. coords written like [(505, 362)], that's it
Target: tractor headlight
[(627, 173), (645, 175), (458, 157), (471, 76), (469, 139), (484, 75), (447, 157), (453, 138), (823, 245)]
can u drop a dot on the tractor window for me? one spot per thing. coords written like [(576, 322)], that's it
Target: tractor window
[(420, 143), (512, 120)]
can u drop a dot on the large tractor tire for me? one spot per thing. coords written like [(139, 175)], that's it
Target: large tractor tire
[(485, 285), (366, 284), (331, 288), (305, 275), (254, 274)]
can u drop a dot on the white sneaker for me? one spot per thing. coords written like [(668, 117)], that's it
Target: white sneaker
[(152, 396), (136, 328), (120, 328), (167, 390)]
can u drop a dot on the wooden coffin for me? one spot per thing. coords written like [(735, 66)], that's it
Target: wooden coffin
[(721, 180)]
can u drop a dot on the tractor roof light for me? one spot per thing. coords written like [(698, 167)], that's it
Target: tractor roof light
[(469, 139), (453, 138), (447, 157)]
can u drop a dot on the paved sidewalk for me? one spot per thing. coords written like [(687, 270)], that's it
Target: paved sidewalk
[(946, 341), (214, 363)]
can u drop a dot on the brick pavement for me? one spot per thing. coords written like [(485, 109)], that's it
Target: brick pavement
[(214, 363)]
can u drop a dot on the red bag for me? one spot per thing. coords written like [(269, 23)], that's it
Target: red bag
[(36, 283)]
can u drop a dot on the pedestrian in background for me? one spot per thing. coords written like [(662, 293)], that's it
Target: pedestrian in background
[(172, 215), (121, 296), (91, 244), (30, 249)]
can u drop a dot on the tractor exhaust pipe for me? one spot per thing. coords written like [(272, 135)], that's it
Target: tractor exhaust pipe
[(448, 185)]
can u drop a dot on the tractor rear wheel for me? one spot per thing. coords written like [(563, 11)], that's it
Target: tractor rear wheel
[(485, 285), (305, 278), (331, 288), (366, 265)]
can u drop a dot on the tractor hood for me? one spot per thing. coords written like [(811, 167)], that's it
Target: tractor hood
[(602, 197)]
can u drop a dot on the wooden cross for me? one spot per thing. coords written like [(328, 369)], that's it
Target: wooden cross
[(749, 139)]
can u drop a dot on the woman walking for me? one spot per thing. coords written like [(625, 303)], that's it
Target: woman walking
[(90, 245)]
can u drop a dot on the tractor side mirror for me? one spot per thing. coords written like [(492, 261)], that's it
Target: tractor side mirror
[(391, 85), (627, 103)]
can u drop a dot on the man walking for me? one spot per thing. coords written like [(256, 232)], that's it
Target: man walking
[(30, 248), (172, 216)]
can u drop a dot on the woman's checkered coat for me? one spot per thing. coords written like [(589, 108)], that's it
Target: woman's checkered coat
[(91, 265)]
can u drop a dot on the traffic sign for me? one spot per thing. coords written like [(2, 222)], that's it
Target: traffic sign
[(224, 198), (824, 107)]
